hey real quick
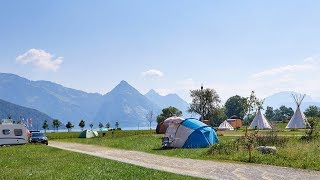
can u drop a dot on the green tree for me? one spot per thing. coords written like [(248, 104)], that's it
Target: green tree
[(100, 125), (117, 125), (69, 126), (205, 102), (168, 112), (45, 126), (108, 125), (312, 111), (82, 124), (236, 105), (269, 113), (287, 112), (56, 124), (283, 114), (91, 125), (220, 118)]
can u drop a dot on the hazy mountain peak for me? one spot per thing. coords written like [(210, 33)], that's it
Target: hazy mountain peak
[(124, 87), (285, 98), (152, 92), (123, 82)]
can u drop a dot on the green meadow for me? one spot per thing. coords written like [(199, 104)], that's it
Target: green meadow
[(37, 161)]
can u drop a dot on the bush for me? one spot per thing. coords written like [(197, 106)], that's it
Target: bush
[(312, 132), (271, 140), (223, 148)]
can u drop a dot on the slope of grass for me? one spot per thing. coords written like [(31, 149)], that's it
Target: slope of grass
[(42, 162)]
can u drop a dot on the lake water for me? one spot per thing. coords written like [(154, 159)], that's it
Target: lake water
[(97, 129)]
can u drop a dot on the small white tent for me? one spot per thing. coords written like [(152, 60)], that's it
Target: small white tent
[(260, 122), (225, 126), (298, 120)]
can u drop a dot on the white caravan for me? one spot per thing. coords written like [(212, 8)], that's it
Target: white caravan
[(13, 134)]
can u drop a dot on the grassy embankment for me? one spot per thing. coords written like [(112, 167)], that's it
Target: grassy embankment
[(294, 153), (36, 161)]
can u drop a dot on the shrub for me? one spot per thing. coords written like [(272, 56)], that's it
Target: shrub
[(223, 148), (312, 132), (271, 140)]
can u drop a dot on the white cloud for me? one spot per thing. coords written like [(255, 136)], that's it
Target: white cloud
[(41, 59), (299, 77), (153, 73), (283, 70), (310, 63)]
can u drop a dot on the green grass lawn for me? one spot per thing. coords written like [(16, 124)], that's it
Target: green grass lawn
[(36, 161), (295, 153)]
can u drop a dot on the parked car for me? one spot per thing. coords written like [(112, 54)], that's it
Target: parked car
[(37, 137)]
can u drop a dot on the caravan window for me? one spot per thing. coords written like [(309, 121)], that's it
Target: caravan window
[(6, 131), (17, 132)]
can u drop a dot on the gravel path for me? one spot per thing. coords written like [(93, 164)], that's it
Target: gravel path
[(191, 167)]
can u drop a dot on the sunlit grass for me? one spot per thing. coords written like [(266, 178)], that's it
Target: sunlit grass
[(36, 161)]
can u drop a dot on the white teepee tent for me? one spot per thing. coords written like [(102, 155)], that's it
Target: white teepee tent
[(260, 122), (298, 120), (225, 126)]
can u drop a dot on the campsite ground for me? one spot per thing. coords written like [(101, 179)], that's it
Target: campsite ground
[(192, 167), (54, 163), (295, 153)]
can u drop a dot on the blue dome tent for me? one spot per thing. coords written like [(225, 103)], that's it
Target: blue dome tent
[(189, 133)]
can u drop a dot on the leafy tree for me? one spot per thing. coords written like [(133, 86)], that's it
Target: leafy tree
[(269, 113), (56, 124), (312, 111), (100, 125), (91, 125), (205, 102), (69, 126), (168, 112), (108, 125), (283, 114), (236, 105), (287, 112), (220, 118), (117, 125), (82, 124), (150, 118), (45, 126)]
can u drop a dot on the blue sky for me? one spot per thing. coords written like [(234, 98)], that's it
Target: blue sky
[(170, 46)]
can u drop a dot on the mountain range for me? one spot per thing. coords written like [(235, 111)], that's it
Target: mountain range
[(285, 98), (169, 100), (16, 112), (124, 103)]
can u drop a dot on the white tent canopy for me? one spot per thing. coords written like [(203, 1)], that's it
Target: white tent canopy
[(260, 122), (225, 126), (298, 120)]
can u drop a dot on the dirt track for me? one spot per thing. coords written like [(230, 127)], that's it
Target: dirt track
[(191, 167)]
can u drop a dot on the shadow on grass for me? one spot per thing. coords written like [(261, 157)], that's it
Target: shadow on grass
[(160, 149)]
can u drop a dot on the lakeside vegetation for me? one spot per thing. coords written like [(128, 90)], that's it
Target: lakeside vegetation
[(36, 161), (292, 153)]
